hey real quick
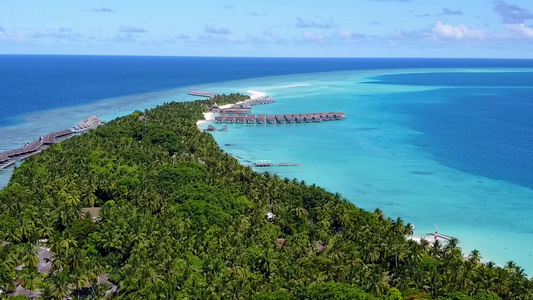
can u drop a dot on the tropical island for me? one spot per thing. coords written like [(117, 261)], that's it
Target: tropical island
[(149, 207)]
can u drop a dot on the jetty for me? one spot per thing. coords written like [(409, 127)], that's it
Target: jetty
[(243, 107), (240, 110), (264, 164), (235, 118), (203, 94), (8, 158), (436, 235), (260, 101)]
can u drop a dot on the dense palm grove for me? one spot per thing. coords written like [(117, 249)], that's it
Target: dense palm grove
[(181, 219)]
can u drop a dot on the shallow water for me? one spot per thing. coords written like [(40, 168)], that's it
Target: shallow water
[(383, 155)]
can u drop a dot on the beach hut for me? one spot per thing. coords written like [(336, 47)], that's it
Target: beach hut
[(214, 108)]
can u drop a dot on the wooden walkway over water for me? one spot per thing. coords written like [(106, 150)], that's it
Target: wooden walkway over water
[(203, 94), (9, 158), (265, 164), (280, 118)]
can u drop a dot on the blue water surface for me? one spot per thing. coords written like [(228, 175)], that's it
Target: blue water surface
[(31, 83), (486, 131)]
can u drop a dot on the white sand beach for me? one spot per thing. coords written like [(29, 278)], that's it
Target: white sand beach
[(209, 116), (255, 94)]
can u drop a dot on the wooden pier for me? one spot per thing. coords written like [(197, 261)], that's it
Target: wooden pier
[(239, 110), (260, 101), (279, 119), (9, 158), (243, 107), (203, 94), (265, 164)]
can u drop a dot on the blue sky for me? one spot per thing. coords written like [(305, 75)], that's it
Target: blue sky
[(337, 28)]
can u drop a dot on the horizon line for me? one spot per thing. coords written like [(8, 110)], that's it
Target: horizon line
[(291, 57)]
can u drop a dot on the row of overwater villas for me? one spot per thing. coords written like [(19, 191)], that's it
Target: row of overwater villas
[(10, 157), (280, 119), (89, 123), (260, 101)]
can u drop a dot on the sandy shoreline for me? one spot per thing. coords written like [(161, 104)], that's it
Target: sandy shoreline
[(209, 116)]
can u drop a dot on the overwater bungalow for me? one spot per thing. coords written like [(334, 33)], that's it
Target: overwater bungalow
[(271, 119), (211, 128), (250, 119), (225, 128), (261, 119), (289, 118), (339, 115), (240, 120), (280, 119), (51, 138)]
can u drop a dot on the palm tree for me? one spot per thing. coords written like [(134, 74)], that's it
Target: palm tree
[(30, 279), (29, 258), (79, 280), (475, 257), (300, 212)]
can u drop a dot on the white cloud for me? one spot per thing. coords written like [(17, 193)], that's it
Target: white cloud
[(459, 32), (521, 29), (12, 37), (313, 36), (345, 33)]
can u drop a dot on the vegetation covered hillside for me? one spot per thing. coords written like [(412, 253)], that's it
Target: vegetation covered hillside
[(181, 219)]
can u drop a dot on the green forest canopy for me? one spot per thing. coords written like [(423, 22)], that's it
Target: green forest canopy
[(180, 218)]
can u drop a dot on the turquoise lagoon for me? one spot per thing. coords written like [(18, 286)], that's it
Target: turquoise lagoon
[(376, 158)]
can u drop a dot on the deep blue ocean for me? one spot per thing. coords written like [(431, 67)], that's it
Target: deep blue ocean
[(485, 127), (434, 141), (30, 83)]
